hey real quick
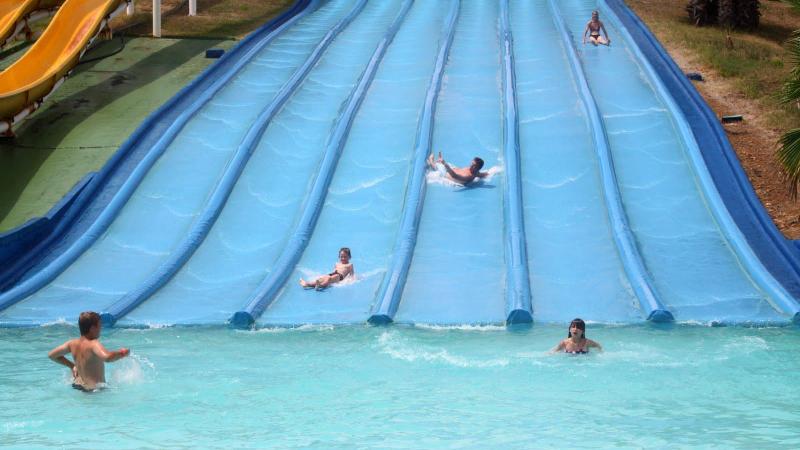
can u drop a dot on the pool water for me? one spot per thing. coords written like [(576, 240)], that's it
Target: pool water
[(409, 387)]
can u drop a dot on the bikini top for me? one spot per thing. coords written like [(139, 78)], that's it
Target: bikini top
[(576, 352)]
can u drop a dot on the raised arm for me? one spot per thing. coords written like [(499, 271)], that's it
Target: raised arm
[(58, 355), (109, 356)]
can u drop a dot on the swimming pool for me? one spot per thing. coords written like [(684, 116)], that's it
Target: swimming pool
[(403, 387)]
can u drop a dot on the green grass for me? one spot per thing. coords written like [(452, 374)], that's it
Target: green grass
[(758, 62)]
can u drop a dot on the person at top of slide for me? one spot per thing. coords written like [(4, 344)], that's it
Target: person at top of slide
[(461, 175), (341, 270), (89, 355), (593, 28), (576, 342)]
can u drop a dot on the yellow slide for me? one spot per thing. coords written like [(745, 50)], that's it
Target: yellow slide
[(16, 14), (25, 84)]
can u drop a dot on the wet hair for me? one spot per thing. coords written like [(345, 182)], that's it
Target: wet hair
[(596, 13), (478, 162), (580, 324), (87, 320), (346, 250)]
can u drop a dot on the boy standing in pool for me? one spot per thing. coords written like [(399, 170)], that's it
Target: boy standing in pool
[(89, 355)]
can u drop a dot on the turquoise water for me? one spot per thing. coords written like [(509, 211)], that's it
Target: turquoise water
[(401, 387)]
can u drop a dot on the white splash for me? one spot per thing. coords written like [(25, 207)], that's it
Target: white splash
[(131, 370), (398, 349), (439, 176), (464, 327)]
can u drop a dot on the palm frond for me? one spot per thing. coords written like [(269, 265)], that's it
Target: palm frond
[(788, 155)]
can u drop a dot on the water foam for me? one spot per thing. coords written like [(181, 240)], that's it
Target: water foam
[(465, 327), (439, 176), (134, 369), (397, 348), (302, 328)]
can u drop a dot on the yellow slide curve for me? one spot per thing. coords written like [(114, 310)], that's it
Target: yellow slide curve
[(15, 14), (25, 84)]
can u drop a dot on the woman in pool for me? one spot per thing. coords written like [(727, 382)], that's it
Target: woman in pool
[(341, 270), (576, 342)]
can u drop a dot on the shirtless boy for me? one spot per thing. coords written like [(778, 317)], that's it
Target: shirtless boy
[(593, 30), (461, 175), (89, 355)]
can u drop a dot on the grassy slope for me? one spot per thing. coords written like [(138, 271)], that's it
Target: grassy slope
[(758, 63)]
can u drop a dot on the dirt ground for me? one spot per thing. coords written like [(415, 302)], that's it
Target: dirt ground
[(755, 142), (754, 139)]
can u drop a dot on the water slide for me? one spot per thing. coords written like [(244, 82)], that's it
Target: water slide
[(25, 84), (17, 15), (312, 135)]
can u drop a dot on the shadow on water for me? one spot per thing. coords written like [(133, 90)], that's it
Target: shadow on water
[(21, 158), (472, 186)]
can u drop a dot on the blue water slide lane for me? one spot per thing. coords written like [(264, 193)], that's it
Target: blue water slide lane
[(391, 289), (270, 287), (780, 257), (98, 227), (97, 188), (518, 288), (777, 295), (233, 170), (637, 273)]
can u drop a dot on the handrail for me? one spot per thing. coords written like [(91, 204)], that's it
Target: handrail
[(518, 288), (626, 244), (216, 201), (266, 292), (59, 264), (391, 289), (778, 296)]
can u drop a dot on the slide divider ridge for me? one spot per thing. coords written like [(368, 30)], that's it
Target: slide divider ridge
[(518, 288)]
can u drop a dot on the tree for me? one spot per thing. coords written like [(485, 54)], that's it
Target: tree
[(702, 12), (738, 14), (731, 14), (789, 150)]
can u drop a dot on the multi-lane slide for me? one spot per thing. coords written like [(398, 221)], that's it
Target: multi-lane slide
[(313, 135)]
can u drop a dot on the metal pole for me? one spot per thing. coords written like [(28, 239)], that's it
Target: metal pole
[(156, 18), (192, 7), (129, 10)]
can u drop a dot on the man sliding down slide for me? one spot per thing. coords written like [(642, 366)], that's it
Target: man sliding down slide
[(461, 175)]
